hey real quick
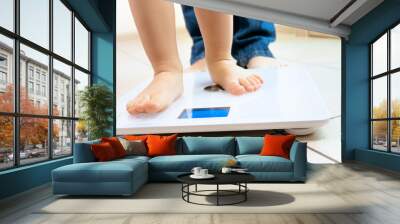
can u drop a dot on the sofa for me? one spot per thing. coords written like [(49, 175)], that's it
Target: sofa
[(125, 176)]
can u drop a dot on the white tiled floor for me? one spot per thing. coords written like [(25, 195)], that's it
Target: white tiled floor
[(321, 55)]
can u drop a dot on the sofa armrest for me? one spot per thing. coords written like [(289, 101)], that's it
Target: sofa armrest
[(83, 152), (298, 155)]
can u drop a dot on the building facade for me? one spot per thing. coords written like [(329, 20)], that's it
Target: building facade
[(34, 81)]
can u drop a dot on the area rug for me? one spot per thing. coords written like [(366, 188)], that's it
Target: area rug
[(166, 198)]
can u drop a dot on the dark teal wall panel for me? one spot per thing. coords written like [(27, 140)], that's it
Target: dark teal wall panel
[(24, 178), (375, 22), (91, 14), (356, 112), (100, 17), (380, 159), (103, 71), (102, 59), (103, 52), (355, 62)]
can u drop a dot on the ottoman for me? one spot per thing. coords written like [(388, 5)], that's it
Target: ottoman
[(118, 177)]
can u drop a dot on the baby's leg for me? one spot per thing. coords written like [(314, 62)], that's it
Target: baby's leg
[(217, 31), (155, 21)]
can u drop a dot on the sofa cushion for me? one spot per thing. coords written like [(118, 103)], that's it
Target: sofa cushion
[(161, 145), (134, 147), (83, 152), (116, 145), (185, 163), (133, 158), (249, 145), (103, 152), (257, 163), (277, 145), (112, 171), (208, 145), (136, 137)]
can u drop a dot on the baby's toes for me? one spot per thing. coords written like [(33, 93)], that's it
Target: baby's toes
[(258, 78), (136, 106), (247, 84), (255, 82), (131, 107), (153, 105), (235, 88)]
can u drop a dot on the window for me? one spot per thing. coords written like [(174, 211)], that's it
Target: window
[(62, 74), (44, 91), (46, 73), (395, 47), (37, 90), (30, 72), (33, 147), (38, 74), (3, 72), (3, 61), (62, 30), (81, 82), (6, 73), (62, 137), (6, 142), (385, 92), (3, 78), (81, 45), (30, 87), (34, 21), (7, 14)]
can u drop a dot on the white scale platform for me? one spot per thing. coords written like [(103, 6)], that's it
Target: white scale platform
[(288, 99)]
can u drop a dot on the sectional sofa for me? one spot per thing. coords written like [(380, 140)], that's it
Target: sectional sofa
[(125, 176)]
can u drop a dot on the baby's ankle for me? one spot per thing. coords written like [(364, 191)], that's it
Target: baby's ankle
[(218, 58), (170, 68)]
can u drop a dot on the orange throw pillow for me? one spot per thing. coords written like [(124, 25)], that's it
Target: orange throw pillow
[(103, 152), (116, 145), (136, 137), (161, 145), (277, 145)]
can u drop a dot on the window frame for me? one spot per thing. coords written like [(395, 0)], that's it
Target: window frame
[(388, 74), (16, 115)]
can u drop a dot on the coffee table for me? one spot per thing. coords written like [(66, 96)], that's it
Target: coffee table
[(238, 179)]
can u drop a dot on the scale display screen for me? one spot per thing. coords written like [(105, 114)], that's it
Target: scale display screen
[(204, 112)]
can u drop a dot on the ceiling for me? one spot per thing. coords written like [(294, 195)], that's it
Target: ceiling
[(333, 17)]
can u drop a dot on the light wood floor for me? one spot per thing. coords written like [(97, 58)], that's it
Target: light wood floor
[(379, 189)]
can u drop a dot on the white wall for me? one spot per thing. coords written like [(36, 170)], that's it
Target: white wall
[(125, 23)]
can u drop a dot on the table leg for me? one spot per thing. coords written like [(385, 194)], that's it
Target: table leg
[(245, 193), (188, 190), (182, 190), (217, 194)]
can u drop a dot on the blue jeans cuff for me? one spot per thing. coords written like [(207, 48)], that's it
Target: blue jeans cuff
[(195, 57)]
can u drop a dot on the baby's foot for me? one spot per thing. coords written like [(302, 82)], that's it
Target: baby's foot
[(164, 89), (233, 78), (264, 62), (198, 66)]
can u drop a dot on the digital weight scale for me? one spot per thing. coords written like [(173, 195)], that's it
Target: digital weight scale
[(289, 99)]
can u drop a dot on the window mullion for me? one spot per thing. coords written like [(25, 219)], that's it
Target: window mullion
[(73, 82), (50, 81), (389, 106), (16, 84), (371, 137)]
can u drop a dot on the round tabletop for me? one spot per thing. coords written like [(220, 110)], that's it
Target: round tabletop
[(220, 178)]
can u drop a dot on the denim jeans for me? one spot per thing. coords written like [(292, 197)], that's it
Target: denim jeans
[(250, 37)]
